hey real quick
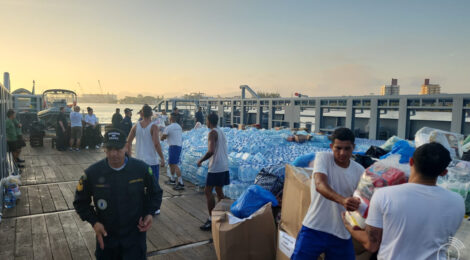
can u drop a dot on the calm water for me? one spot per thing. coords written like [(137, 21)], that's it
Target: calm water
[(104, 112)]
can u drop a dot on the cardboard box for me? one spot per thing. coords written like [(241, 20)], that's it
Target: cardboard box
[(285, 245), (295, 199), (295, 204), (252, 238), (301, 138), (222, 206)]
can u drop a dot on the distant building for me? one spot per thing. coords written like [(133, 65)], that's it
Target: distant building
[(393, 89), (6, 80), (430, 89), (98, 98)]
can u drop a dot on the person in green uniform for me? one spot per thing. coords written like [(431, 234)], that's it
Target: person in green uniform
[(12, 134)]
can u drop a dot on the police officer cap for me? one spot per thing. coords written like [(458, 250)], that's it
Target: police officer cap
[(127, 110), (115, 138)]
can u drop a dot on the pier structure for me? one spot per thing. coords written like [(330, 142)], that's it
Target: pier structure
[(373, 117)]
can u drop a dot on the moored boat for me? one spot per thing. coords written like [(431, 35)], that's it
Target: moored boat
[(53, 100)]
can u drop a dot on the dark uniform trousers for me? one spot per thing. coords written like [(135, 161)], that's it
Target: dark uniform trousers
[(120, 199), (137, 251)]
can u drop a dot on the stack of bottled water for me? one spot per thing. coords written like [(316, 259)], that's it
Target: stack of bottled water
[(249, 151), (11, 191)]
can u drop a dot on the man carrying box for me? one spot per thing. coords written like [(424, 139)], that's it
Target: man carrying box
[(335, 178), (414, 220)]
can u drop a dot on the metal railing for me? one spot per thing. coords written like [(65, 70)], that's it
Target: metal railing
[(6, 165), (291, 112)]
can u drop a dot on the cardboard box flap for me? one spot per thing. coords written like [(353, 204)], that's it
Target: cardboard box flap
[(296, 199), (253, 238)]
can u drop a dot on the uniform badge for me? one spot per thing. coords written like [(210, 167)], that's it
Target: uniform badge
[(80, 184), (102, 204)]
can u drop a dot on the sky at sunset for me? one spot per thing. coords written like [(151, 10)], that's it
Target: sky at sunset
[(319, 48)]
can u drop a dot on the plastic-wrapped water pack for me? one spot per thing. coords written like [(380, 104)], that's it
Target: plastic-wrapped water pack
[(249, 151), (451, 141), (457, 180)]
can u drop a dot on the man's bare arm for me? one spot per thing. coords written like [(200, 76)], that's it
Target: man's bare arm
[(211, 147), (374, 235), (370, 238), (156, 142), (322, 187), (130, 138)]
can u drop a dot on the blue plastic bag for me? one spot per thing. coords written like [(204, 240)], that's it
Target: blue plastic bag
[(402, 148), (303, 160), (251, 200)]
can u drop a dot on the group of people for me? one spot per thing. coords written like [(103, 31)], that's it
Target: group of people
[(123, 123), (409, 221), (121, 219), (14, 138), (86, 128)]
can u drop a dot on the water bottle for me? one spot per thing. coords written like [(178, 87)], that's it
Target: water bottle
[(10, 200)]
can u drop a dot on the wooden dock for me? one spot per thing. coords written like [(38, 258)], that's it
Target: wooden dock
[(44, 224)]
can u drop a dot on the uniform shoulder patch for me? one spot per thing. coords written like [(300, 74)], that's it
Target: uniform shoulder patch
[(80, 183)]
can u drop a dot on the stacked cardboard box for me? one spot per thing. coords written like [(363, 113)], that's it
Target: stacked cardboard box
[(251, 238)]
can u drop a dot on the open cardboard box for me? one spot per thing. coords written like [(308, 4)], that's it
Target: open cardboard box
[(250, 238), (295, 204)]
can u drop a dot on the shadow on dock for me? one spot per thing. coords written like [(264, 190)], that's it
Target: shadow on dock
[(44, 224)]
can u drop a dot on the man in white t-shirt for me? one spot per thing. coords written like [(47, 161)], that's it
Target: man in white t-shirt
[(335, 177), (76, 128), (91, 130), (414, 220), (174, 135)]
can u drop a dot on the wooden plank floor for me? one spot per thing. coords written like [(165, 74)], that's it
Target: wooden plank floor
[(44, 225)]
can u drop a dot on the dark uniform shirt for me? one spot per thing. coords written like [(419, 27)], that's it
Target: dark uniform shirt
[(116, 120), (178, 118), (120, 199), (126, 125), (61, 118), (199, 117)]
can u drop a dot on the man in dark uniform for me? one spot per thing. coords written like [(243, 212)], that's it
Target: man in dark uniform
[(117, 118), (61, 130), (177, 116), (199, 116), (126, 123), (125, 196)]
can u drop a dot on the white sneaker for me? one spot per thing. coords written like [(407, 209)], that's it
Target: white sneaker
[(97, 147), (77, 149), (86, 147), (70, 149), (157, 212)]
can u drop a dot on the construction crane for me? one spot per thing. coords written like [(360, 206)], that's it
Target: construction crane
[(101, 89), (80, 87)]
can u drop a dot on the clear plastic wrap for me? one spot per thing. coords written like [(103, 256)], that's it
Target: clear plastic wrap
[(451, 141)]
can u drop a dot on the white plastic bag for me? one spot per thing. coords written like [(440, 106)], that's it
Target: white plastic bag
[(451, 141)]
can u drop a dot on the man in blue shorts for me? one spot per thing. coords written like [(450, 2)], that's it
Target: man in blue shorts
[(335, 178), (217, 175), (174, 135)]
